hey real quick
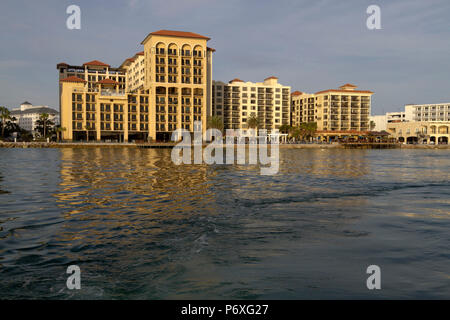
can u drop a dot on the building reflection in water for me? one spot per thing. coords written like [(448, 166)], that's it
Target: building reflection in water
[(123, 177), (113, 188), (119, 192), (327, 163)]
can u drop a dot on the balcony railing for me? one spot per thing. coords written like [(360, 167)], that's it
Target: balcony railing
[(112, 93)]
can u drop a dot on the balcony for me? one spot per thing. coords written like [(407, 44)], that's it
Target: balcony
[(112, 93)]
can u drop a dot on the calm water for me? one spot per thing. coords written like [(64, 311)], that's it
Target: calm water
[(140, 227)]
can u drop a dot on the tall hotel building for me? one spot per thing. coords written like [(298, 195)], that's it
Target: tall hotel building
[(166, 86), (237, 100), (337, 112)]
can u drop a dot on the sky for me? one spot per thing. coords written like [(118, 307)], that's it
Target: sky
[(309, 45)]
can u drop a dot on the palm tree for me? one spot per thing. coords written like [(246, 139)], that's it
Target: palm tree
[(285, 128), (5, 115), (253, 122), (59, 130), (372, 125), (215, 122), (308, 129), (11, 125), (296, 133), (44, 122)]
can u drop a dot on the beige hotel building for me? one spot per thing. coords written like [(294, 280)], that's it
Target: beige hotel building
[(422, 132), (237, 100), (166, 86), (337, 112)]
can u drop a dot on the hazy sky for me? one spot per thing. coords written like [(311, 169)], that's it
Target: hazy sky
[(309, 45)]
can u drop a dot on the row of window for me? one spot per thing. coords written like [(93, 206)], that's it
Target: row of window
[(183, 52), (173, 62), (260, 90), (173, 79)]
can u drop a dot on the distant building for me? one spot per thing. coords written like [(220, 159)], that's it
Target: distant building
[(396, 117), (380, 122), (27, 115), (413, 112), (423, 132), (337, 112), (237, 100), (429, 112)]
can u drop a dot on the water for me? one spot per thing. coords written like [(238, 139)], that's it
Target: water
[(140, 227)]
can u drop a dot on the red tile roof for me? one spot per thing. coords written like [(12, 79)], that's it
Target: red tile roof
[(348, 85), (345, 91), (272, 77), (172, 33), (108, 81), (72, 79), (130, 60), (96, 63), (296, 93), (211, 49), (140, 53), (235, 80)]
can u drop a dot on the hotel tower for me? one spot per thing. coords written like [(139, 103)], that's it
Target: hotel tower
[(236, 101), (337, 112), (166, 86)]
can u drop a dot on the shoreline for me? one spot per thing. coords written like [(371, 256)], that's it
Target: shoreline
[(160, 145)]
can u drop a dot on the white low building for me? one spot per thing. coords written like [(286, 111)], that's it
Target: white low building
[(382, 121), (429, 112), (27, 115)]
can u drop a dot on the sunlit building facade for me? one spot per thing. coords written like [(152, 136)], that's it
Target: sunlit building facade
[(337, 112), (166, 86), (422, 132), (237, 100), (429, 112)]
